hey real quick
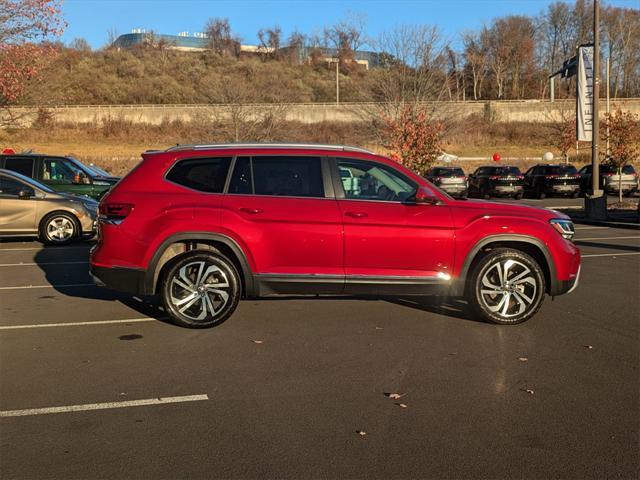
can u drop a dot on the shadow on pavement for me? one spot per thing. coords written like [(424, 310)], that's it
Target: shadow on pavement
[(80, 285)]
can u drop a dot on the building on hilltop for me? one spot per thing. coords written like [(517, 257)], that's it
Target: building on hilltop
[(199, 42)]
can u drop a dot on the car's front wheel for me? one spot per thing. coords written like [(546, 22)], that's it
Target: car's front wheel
[(507, 287), (59, 228), (200, 289)]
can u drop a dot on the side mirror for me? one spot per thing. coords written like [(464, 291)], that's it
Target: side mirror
[(422, 197), (24, 194)]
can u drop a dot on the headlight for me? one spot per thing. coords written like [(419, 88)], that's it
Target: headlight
[(563, 227)]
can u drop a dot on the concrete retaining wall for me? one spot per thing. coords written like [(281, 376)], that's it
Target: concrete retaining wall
[(502, 111)]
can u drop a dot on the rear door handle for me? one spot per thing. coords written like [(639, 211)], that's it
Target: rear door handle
[(251, 211), (355, 214)]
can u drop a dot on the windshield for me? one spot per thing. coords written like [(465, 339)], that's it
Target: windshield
[(98, 171), (506, 171), (448, 172), (561, 170)]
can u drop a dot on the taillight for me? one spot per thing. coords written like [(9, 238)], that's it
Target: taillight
[(552, 176), (114, 211), (520, 177), (437, 180), (494, 177), (607, 174)]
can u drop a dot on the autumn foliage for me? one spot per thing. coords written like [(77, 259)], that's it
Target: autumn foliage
[(624, 137), (414, 139), (24, 26)]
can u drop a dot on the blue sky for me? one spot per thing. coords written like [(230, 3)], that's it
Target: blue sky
[(92, 19)]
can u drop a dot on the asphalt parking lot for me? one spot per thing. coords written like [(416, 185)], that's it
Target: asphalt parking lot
[(95, 384)]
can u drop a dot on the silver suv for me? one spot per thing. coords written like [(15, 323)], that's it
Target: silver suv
[(29, 208)]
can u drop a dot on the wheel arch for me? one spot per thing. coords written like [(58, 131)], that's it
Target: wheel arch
[(171, 247), (529, 245)]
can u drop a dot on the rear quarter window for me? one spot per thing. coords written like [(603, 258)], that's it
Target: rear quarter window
[(202, 174), (20, 164)]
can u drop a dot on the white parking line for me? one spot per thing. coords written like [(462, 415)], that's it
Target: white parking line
[(22, 264), (103, 406), (78, 324), (609, 254), (44, 249), (27, 287), (605, 238), (590, 227)]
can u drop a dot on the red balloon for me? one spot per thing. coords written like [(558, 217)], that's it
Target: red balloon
[(8, 151), (496, 157)]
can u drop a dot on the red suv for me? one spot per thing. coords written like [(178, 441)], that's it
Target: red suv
[(206, 225)]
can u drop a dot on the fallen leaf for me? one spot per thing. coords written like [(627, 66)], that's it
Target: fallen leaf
[(523, 359), (362, 433), (379, 328), (528, 390), (401, 405), (453, 353), (394, 396), (588, 346), (257, 341)]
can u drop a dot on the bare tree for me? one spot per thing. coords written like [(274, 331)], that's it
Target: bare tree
[(270, 42), (346, 38), (221, 40), (476, 59)]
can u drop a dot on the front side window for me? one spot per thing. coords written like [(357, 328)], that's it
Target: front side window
[(363, 180), (61, 170), (21, 165), (202, 174), (12, 187), (278, 176)]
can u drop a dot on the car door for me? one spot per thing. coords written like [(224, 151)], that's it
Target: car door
[(387, 239), (17, 215), (283, 209), (529, 179)]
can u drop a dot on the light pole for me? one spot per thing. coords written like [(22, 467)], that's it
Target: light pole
[(337, 81), (595, 166)]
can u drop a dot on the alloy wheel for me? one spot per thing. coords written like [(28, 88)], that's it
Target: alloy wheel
[(508, 289), (60, 229), (199, 290)]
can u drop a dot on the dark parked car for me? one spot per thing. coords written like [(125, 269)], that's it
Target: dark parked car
[(610, 181), (203, 226), (450, 179), (63, 174), (497, 181), (546, 180)]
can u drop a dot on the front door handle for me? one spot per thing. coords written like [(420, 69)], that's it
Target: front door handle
[(355, 214), (251, 211)]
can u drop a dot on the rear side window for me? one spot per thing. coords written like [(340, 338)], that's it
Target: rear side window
[(278, 176), (20, 165), (203, 174)]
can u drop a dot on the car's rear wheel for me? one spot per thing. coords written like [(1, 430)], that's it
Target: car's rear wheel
[(484, 193), (518, 196), (200, 289), (507, 287), (58, 228), (540, 193), (575, 194)]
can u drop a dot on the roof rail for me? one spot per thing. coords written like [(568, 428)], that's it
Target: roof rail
[(342, 148)]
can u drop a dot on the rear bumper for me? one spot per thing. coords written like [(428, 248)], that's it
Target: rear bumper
[(563, 188), (121, 279)]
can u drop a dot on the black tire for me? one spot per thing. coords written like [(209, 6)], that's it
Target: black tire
[(518, 196), (184, 278), (523, 299), (575, 194), (58, 228), (484, 193), (540, 193)]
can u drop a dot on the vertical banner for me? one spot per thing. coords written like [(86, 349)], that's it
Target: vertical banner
[(584, 97)]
